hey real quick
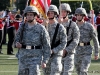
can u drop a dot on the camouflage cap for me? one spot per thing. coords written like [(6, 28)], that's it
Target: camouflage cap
[(65, 6), (80, 11), (54, 9), (31, 9)]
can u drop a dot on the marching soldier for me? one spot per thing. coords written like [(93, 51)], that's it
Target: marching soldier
[(84, 49), (33, 43), (58, 40), (73, 36)]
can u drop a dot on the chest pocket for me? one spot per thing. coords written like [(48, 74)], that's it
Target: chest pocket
[(31, 36), (35, 35), (85, 32)]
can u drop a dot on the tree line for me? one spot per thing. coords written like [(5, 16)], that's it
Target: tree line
[(20, 4)]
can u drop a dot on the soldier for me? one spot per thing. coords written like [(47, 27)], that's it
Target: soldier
[(84, 49), (33, 42), (73, 35), (58, 40)]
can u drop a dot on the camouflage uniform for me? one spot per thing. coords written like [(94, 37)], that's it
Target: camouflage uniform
[(83, 53), (74, 35), (84, 49), (68, 61), (54, 66), (29, 60)]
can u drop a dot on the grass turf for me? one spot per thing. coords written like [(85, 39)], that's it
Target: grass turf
[(9, 64)]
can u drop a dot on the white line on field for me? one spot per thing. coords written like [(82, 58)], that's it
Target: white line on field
[(12, 56), (8, 71), (7, 55)]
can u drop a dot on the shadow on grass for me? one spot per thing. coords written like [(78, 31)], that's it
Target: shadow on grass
[(95, 61)]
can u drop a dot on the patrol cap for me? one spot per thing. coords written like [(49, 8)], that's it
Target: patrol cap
[(31, 9), (80, 11), (54, 9), (65, 6)]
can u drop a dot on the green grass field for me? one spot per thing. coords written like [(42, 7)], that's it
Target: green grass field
[(9, 64)]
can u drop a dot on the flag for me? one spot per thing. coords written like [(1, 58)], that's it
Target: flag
[(42, 6)]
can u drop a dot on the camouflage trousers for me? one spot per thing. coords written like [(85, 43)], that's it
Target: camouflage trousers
[(54, 66), (33, 69), (82, 63), (68, 64)]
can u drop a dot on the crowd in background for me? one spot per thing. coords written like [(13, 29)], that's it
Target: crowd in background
[(74, 32), (10, 21)]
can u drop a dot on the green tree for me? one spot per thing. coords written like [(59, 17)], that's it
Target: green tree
[(21, 4), (74, 4), (86, 5), (4, 4), (96, 6), (55, 2)]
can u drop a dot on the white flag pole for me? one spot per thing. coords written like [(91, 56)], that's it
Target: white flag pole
[(45, 8), (60, 6), (60, 15), (46, 19), (27, 2), (82, 4)]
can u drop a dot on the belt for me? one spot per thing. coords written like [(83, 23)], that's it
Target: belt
[(84, 44), (31, 47)]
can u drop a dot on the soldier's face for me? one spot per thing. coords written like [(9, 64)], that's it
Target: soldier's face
[(30, 16), (79, 17), (50, 14), (64, 13)]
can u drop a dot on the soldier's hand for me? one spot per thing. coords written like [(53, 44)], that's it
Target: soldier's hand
[(60, 19), (45, 22), (43, 65), (96, 57), (18, 45), (64, 53)]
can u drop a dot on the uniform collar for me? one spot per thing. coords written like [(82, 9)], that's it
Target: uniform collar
[(54, 24)]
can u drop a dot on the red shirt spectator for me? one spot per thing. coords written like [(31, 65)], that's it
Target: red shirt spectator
[(17, 24), (1, 25), (98, 18)]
